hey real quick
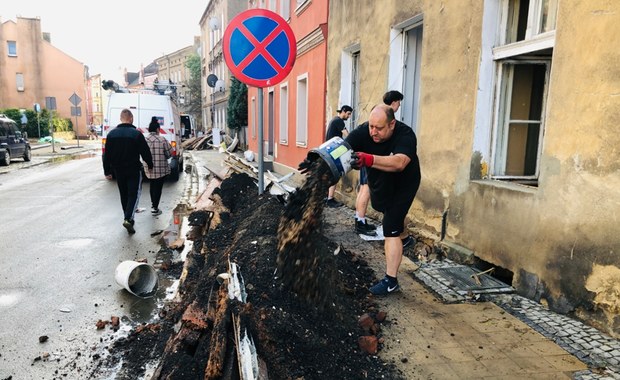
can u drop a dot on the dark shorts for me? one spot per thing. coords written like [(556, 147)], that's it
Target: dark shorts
[(363, 176), (394, 218), (394, 212)]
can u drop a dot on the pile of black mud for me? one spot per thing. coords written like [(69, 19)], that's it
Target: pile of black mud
[(297, 333), (304, 265)]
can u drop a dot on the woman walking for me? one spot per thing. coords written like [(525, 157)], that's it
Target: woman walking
[(161, 152)]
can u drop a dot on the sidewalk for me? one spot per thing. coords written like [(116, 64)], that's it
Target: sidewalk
[(64, 148), (437, 331)]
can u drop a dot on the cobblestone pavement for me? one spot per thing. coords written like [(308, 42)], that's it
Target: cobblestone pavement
[(599, 351)]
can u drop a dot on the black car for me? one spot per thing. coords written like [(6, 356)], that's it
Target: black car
[(13, 144)]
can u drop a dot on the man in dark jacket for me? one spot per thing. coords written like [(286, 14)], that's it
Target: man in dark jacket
[(123, 148)]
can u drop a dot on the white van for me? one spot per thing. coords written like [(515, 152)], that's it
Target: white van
[(144, 107)]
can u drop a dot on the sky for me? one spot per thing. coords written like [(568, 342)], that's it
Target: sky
[(111, 35)]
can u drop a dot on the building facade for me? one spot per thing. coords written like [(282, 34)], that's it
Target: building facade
[(33, 70), (213, 22), (515, 107), (172, 69), (97, 107)]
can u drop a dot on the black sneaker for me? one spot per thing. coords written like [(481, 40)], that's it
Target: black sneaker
[(128, 224), (155, 211), (384, 287), (365, 228), (409, 240), (332, 203)]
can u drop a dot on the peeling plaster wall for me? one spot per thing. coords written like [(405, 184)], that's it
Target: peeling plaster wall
[(553, 237)]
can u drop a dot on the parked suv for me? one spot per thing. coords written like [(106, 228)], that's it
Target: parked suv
[(13, 144)]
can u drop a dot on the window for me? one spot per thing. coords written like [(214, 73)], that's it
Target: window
[(302, 110), (271, 5), (350, 82), (12, 48), (254, 117), (285, 9), (522, 68), (19, 81), (283, 114)]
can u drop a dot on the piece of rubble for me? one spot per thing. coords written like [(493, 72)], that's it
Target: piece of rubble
[(369, 344), (43, 338), (101, 324), (179, 243)]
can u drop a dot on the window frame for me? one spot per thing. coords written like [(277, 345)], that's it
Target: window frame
[(19, 82), (536, 48), (301, 118), (502, 122), (283, 114), (11, 47), (254, 116)]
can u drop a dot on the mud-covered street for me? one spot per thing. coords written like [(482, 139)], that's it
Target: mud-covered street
[(62, 242)]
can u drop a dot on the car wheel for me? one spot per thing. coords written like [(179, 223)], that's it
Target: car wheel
[(28, 154), (174, 174), (5, 159)]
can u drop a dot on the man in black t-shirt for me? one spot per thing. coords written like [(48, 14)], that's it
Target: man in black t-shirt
[(335, 128), (387, 148)]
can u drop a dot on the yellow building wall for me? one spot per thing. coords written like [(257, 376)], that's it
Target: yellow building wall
[(559, 239)]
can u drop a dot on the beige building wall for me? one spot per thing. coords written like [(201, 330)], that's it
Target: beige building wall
[(172, 67), (46, 70), (213, 23), (557, 237), (96, 96)]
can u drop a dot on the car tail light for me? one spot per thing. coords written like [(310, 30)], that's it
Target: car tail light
[(174, 148), (103, 145)]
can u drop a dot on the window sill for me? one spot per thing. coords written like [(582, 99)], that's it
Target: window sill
[(507, 185), (302, 7), (301, 145)]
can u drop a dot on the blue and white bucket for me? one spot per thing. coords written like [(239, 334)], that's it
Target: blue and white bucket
[(337, 155)]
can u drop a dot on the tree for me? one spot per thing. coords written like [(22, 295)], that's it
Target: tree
[(46, 118), (194, 105), (237, 111)]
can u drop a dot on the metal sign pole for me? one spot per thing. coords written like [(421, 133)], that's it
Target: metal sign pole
[(77, 128), (52, 131), (260, 141)]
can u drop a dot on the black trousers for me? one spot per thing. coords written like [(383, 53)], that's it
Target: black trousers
[(157, 184), (129, 187)]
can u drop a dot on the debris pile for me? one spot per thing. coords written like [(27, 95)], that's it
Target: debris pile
[(207, 332)]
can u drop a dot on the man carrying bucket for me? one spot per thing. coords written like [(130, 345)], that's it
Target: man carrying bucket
[(386, 147), (335, 128)]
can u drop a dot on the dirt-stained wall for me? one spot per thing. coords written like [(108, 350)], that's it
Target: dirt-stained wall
[(559, 239)]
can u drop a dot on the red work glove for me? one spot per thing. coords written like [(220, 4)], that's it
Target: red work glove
[(362, 160)]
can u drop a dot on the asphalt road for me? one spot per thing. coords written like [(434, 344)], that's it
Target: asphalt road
[(60, 242)]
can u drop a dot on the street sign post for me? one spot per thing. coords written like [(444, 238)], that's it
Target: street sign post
[(37, 109), (259, 49), (77, 111)]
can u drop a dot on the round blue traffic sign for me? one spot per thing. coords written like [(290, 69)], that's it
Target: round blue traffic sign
[(259, 47)]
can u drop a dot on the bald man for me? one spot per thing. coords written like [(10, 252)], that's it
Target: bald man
[(386, 147)]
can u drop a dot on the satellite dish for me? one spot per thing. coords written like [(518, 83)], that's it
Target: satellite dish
[(214, 23), (211, 80), (219, 85)]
